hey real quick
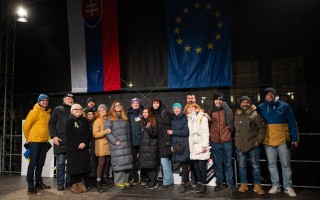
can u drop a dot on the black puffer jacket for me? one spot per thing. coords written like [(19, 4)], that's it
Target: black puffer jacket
[(164, 122), (180, 134), (57, 127), (149, 147)]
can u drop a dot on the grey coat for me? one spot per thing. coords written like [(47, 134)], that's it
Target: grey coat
[(121, 156), (250, 127)]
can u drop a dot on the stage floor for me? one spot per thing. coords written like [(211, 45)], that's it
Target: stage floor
[(15, 187)]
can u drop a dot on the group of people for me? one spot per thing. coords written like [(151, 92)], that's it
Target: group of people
[(142, 141)]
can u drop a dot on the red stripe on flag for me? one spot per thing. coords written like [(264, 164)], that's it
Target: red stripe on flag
[(110, 46)]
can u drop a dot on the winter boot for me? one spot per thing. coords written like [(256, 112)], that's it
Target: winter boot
[(40, 185), (75, 188), (203, 189), (82, 187), (257, 188), (99, 187), (243, 187)]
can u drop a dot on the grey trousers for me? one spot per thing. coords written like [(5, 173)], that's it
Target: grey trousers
[(121, 177)]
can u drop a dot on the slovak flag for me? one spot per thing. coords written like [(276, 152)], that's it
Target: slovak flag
[(94, 45)]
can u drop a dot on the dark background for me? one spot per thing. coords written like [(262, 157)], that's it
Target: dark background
[(261, 30)]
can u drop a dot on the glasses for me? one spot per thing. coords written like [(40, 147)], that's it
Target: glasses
[(44, 100), (77, 109), (117, 105)]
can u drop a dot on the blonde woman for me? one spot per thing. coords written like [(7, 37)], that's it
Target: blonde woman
[(198, 124), (102, 148), (117, 127)]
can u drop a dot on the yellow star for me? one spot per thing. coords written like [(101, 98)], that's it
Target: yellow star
[(178, 20), (179, 41), (218, 36), (196, 5), (210, 45), (198, 50), (209, 6), (176, 31), (217, 13), (185, 10), (187, 48), (220, 24)]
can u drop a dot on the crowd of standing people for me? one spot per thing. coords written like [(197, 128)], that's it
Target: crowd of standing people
[(122, 148)]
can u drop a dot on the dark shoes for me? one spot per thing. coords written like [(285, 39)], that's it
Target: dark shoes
[(200, 188), (232, 187), (32, 190), (60, 188), (152, 186), (99, 187), (41, 185), (219, 188)]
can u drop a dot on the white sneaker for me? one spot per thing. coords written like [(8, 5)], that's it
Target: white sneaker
[(289, 191), (274, 190)]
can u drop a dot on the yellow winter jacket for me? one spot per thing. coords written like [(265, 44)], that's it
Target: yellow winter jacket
[(36, 126)]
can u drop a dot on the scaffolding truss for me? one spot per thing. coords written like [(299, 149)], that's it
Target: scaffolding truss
[(7, 50)]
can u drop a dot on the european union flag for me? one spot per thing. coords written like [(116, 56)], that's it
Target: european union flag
[(199, 46)]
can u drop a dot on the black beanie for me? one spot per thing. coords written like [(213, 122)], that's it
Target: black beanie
[(90, 99), (245, 98), (217, 96), (269, 89)]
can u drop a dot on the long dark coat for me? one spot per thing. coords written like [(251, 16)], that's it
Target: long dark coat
[(149, 147), (164, 123), (180, 134), (78, 131)]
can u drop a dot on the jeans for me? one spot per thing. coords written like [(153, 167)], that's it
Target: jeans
[(222, 154), (200, 167), (254, 156), (284, 155), (62, 175), (167, 171), (38, 153)]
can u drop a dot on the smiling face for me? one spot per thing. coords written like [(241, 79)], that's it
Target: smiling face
[(77, 110), (177, 110), (44, 102)]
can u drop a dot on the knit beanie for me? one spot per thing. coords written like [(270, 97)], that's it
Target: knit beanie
[(91, 99), (42, 96), (245, 98), (135, 99), (217, 96), (177, 105), (102, 106), (269, 89)]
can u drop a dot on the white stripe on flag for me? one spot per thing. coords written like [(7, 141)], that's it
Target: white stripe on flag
[(77, 47)]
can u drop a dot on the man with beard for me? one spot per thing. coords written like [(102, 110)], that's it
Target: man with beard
[(250, 131)]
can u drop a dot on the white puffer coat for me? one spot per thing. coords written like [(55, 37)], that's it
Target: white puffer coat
[(198, 135)]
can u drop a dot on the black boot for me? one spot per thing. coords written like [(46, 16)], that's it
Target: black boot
[(99, 187), (32, 190), (203, 189), (197, 188), (41, 185)]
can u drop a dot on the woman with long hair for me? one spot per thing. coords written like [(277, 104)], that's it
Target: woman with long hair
[(149, 158), (117, 127)]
